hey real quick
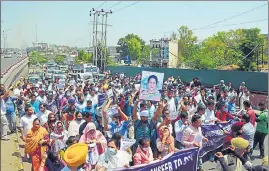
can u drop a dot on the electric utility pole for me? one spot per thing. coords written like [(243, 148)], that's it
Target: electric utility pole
[(99, 37), (5, 39)]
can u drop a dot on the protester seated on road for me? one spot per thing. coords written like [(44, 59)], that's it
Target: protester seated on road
[(143, 153), (165, 143), (113, 158)]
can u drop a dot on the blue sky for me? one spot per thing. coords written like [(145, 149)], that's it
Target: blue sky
[(67, 23)]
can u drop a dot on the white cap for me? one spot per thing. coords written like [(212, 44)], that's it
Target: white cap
[(144, 113)]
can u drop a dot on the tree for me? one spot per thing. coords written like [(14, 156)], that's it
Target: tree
[(35, 57), (59, 59), (252, 40), (131, 45), (186, 42), (83, 57), (222, 48)]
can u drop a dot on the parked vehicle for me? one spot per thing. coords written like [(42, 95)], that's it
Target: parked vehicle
[(33, 77)]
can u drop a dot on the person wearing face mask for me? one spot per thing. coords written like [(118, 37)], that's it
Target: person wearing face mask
[(88, 117), (51, 103), (143, 153), (117, 125), (41, 97), (58, 137), (145, 128), (73, 129), (43, 114), (222, 114), (51, 123), (96, 144), (113, 158), (80, 104), (65, 100)]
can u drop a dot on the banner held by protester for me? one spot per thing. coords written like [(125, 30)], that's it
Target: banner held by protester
[(181, 160)]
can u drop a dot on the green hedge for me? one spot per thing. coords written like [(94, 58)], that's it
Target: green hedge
[(255, 81)]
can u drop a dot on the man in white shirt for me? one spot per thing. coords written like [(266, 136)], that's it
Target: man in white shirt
[(4, 122), (209, 116), (192, 136), (26, 122), (17, 90), (180, 125)]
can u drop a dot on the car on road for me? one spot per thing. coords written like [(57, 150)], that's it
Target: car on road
[(33, 77), (49, 74), (7, 56), (64, 68)]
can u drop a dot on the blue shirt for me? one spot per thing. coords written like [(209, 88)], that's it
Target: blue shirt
[(80, 106), (92, 110), (67, 169), (122, 129), (35, 105), (127, 108), (10, 105), (231, 108)]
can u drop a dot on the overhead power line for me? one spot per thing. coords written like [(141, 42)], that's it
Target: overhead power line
[(114, 5), (233, 24), (126, 6), (232, 16), (220, 26), (101, 4)]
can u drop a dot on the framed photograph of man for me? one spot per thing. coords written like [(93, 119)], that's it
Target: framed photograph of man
[(151, 86)]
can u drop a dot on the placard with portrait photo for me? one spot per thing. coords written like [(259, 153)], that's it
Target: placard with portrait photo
[(151, 86)]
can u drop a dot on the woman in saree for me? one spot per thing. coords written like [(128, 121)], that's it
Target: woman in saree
[(36, 144), (97, 144)]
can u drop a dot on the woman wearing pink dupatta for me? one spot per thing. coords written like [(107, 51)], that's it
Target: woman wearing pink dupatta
[(96, 142), (143, 153)]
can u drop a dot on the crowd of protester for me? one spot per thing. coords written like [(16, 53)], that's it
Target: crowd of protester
[(64, 128)]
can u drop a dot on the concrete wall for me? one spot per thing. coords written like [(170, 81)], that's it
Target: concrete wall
[(255, 81), (14, 74)]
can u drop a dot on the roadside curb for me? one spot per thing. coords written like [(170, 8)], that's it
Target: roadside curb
[(17, 143)]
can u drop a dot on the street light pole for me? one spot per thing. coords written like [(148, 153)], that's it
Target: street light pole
[(5, 39)]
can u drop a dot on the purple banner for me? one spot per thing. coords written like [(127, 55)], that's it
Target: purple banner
[(215, 136), (101, 99), (181, 160)]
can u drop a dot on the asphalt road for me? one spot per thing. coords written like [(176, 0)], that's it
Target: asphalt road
[(6, 62)]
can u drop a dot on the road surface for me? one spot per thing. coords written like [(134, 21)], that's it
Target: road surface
[(6, 62)]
